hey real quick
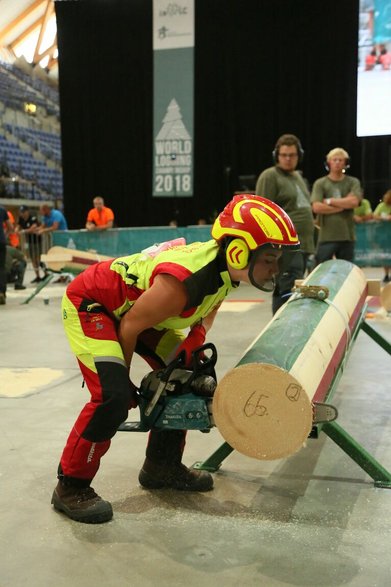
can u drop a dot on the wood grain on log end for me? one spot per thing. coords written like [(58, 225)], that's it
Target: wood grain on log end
[(262, 411)]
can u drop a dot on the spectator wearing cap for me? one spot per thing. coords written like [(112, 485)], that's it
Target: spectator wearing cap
[(100, 217), (28, 225)]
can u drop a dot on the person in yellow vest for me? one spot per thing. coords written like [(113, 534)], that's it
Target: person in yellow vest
[(382, 213), (145, 303), (363, 212)]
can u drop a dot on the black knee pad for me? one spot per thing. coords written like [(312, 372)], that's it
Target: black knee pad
[(113, 410)]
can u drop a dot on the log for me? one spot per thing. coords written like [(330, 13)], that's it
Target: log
[(70, 260), (263, 407)]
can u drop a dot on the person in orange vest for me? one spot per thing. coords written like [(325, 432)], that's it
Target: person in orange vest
[(4, 222), (13, 237), (100, 217)]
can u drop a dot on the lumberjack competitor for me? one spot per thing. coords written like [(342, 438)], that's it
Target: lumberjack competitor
[(157, 304)]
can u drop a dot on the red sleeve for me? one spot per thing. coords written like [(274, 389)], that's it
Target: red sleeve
[(174, 269), (194, 339)]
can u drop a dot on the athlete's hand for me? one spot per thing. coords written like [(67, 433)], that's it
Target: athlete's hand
[(133, 395)]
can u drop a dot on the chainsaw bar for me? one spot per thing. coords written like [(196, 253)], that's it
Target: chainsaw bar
[(323, 413)]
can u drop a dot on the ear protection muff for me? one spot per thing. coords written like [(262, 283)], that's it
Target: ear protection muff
[(237, 253), (347, 165), (300, 151)]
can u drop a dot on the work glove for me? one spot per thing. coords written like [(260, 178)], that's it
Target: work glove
[(194, 339), (133, 395)]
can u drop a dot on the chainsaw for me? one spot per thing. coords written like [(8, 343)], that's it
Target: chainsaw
[(176, 397)]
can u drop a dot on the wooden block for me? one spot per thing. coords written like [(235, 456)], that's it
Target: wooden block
[(262, 411), (374, 287), (385, 297)]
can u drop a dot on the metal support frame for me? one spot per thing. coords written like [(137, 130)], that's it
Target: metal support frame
[(67, 276), (380, 475), (40, 286)]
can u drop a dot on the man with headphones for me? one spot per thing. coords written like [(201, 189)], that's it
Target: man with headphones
[(334, 198), (286, 187), (155, 304)]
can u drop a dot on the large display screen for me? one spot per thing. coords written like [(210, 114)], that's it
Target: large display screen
[(374, 69)]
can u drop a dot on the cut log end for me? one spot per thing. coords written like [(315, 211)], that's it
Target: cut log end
[(262, 411)]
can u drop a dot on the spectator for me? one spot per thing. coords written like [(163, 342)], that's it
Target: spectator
[(13, 237), (100, 217), (28, 224), (287, 187), (4, 176), (52, 220), (384, 58), (371, 60), (334, 198), (15, 266), (383, 213), (158, 306), (4, 221), (363, 212), (4, 169)]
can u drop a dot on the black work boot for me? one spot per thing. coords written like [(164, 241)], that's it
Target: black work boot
[(163, 466), (175, 476), (81, 504)]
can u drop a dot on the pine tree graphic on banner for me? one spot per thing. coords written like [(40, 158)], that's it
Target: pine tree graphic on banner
[(173, 127)]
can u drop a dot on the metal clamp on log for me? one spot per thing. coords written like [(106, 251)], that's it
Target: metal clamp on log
[(317, 292)]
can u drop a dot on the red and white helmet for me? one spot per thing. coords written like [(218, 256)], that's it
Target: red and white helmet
[(246, 226), (257, 221)]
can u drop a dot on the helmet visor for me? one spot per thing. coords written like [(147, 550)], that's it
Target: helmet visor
[(263, 267)]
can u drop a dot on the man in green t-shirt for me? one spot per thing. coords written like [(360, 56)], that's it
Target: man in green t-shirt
[(383, 213), (363, 212), (286, 187), (334, 198)]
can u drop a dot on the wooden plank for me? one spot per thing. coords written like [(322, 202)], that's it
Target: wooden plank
[(57, 258)]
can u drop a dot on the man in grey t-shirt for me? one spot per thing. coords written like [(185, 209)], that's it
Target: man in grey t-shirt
[(286, 187)]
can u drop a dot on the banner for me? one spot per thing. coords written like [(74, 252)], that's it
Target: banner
[(173, 70)]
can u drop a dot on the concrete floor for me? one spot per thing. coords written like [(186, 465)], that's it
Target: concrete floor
[(314, 519)]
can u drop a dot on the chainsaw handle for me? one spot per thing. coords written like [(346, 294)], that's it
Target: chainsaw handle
[(178, 362), (201, 359)]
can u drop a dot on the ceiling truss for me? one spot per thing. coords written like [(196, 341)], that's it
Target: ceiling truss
[(33, 19)]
